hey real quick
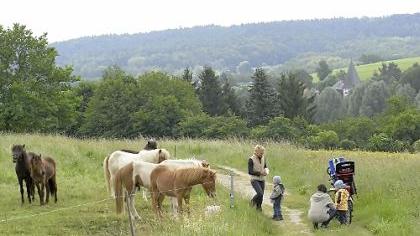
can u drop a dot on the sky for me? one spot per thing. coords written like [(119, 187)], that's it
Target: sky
[(65, 19)]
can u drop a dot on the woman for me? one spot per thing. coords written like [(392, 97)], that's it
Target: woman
[(257, 169), (322, 208)]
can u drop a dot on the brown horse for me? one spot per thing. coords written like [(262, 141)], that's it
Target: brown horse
[(178, 183), (22, 168), (43, 173)]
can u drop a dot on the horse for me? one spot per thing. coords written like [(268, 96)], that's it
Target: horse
[(178, 183), (119, 159), (150, 145), (22, 168), (137, 174), (43, 172)]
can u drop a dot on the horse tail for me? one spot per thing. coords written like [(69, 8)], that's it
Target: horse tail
[(124, 177), (53, 185), (107, 174)]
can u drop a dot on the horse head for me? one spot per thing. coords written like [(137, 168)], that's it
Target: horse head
[(209, 182), (205, 164), (151, 144), (163, 155), (18, 152)]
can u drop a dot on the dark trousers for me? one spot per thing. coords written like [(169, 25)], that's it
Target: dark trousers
[(332, 213), (277, 208), (342, 216), (259, 189)]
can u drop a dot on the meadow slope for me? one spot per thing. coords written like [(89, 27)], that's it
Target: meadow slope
[(387, 203)]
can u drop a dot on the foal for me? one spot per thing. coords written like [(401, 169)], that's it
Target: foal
[(23, 164), (178, 183), (43, 172)]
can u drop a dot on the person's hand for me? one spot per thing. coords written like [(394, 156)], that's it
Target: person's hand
[(264, 173)]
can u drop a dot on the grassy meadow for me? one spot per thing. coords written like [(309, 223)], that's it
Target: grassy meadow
[(387, 203), (366, 71)]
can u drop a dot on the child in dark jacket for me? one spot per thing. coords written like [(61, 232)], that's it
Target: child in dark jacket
[(276, 197)]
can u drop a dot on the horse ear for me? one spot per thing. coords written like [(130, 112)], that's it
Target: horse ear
[(23, 145), (160, 151)]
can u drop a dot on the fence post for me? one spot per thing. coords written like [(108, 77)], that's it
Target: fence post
[(175, 151), (231, 190), (132, 229)]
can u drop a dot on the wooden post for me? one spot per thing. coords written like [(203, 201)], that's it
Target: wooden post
[(175, 151), (132, 229), (231, 190)]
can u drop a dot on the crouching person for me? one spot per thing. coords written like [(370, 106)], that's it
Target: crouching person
[(322, 208)]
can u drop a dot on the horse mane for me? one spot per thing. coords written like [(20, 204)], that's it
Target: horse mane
[(192, 174), (129, 151)]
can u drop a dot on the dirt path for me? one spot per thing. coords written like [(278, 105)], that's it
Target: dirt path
[(292, 223)]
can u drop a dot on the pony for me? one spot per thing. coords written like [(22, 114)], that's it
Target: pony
[(178, 183), (119, 159), (22, 168), (43, 172), (137, 174), (150, 145)]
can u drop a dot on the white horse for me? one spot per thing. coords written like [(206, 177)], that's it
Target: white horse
[(119, 159), (138, 173)]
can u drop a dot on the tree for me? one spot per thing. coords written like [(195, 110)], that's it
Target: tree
[(374, 99), (110, 110), (291, 99), (166, 102), (187, 75), (417, 101), (354, 100), (389, 73), (329, 106), (412, 76), (322, 70), (230, 100), (210, 92), (261, 101), (405, 90), (304, 77), (35, 94)]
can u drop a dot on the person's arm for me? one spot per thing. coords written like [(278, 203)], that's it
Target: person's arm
[(251, 168), (331, 206)]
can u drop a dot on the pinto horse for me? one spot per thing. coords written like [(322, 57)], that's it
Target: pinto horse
[(178, 183), (23, 163), (137, 174), (119, 159), (43, 171)]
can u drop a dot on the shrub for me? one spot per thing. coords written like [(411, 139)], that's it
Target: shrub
[(281, 128), (416, 146), (347, 144), (383, 143), (328, 139)]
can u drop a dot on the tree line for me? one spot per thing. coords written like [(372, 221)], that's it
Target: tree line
[(36, 95)]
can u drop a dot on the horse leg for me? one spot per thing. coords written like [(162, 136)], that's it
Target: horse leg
[(133, 206), (145, 194), (41, 196), (32, 189), (160, 200), (21, 190), (111, 186), (155, 196), (47, 191), (28, 188), (187, 200), (179, 198), (174, 204), (39, 192)]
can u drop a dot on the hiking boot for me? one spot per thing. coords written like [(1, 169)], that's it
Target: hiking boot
[(278, 218)]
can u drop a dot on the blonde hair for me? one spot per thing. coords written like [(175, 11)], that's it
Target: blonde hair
[(259, 149)]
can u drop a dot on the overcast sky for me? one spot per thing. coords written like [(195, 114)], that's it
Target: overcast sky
[(71, 19)]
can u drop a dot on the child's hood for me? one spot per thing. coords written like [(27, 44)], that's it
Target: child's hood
[(276, 180)]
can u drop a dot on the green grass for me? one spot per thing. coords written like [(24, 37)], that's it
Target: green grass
[(80, 181), (366, 71), (387, 204)]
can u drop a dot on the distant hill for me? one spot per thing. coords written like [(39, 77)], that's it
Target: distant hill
[(291, 44), (366, 71)]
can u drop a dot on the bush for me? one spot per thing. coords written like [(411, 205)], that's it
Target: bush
[(347, 144), (416, 146), (383, 143), (281, 128), (325, 139), (258, 132)]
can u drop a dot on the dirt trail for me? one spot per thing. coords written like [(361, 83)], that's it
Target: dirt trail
[(292, 223)]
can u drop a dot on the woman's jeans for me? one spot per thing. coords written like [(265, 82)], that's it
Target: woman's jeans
[(259, 189)]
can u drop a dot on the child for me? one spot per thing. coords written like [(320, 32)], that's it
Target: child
[(341, 201), (276, 197)]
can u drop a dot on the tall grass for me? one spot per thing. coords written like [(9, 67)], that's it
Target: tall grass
[(387, 203), (80, 181)]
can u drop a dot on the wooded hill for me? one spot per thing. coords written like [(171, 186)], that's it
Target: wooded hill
[(290, 44)]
